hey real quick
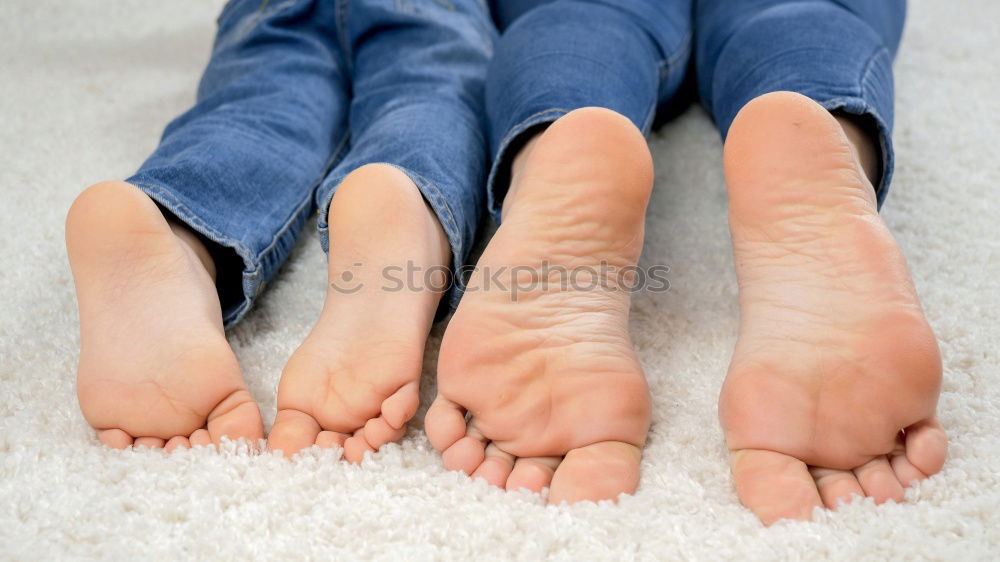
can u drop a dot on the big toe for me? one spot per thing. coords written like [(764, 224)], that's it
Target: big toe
[(774, 486), (293, 431), (927, 446), (602, 471), (236, 417), (923, 451)]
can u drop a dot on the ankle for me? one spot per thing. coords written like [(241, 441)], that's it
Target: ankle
[(193, 242), (864, 142), (517, 167)]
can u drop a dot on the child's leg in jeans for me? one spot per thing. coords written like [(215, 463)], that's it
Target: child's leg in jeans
[(834, 381), (396, 213), (547, 371), (217, 206)]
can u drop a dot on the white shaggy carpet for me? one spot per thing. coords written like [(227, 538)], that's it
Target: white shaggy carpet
[(85, 89)]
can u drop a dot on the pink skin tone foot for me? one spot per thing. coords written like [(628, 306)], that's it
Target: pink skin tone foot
[(354, 381), (155, 367), (545, 390), (833, 385)]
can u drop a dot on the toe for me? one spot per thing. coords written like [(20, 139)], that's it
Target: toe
[(115, 438), (926, 446), (835, 486), (773, 485), (178, 441), (293, 431), (906, 473), (356, 446), (378, 432), (236, 417), (200, 438), (327, 439), (532, 473), (496, 466), (444, 423), (879, 481), (400, 406), (601, 471), (151, 442), (467, 453)]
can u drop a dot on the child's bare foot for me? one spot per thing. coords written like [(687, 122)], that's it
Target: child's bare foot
[(834, 382), (354, 380), (550, 381), (155, 367)]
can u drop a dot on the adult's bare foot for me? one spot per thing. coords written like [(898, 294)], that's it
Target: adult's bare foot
[(834, 381), (546, 372)]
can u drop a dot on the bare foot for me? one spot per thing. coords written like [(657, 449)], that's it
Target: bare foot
[(833, 385), (354, 381), (550, 381), (155, 367)]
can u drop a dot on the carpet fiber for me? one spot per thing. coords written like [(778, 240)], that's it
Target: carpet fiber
[(85, 90)]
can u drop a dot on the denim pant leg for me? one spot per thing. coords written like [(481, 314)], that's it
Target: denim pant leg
[(241, 166), (562, 55), (837, 52), (418, 70)]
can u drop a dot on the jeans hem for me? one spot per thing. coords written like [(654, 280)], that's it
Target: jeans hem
[(501, 163), (251, 284), (862, 108)]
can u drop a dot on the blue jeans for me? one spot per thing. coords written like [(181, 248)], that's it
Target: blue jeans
[(296, 95), (633, 56)]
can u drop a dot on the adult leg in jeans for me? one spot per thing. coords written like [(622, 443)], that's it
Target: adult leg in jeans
[(398, 216), (538, 356), (164, 260), (833, 384)]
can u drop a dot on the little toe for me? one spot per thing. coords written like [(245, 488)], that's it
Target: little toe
[(356, 446), (327, 439), (926, 446), (467, 453), (835, 486), (401, 405), (177, 441), (601, 471), (151, 442), (293, 431), (496, 466), (115, 438), (201, 438), (444, 423), (378, 432), (532, 473), (774, 485), (879, 481)]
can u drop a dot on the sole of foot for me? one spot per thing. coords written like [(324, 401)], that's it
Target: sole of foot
[(543, 367), (354, 381), (155, 367), (833, 385)]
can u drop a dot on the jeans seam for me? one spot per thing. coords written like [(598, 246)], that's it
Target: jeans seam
[(250, 21), (868, 68), (668, 65), (344, 39)]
